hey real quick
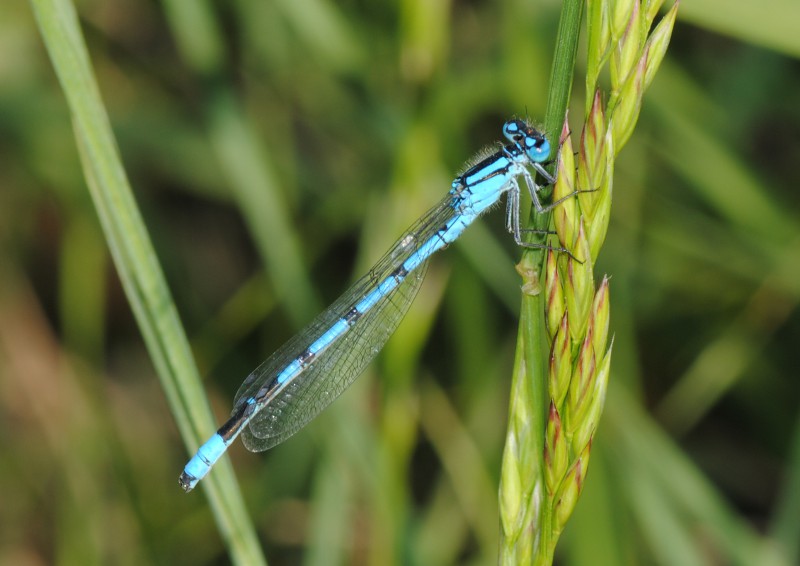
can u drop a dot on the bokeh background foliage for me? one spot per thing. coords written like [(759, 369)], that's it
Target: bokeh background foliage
[(275, 150)]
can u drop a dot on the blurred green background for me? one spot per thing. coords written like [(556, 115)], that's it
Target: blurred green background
[(276, 149)]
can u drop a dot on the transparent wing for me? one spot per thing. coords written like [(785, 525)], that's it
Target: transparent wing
[(289, 408)]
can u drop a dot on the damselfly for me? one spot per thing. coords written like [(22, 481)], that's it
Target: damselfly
[(312, 369)]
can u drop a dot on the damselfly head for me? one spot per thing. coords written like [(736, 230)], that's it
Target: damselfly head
[(531, 140)]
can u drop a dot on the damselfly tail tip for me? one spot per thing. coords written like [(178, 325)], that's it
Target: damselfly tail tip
[(187, 482)]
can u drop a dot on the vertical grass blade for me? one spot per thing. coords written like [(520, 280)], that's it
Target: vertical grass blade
[(137, 265)]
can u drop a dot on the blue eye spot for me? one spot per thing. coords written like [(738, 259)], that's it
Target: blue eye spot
[(511, 130)]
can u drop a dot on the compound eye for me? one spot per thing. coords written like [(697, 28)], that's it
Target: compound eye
[(537, 148)]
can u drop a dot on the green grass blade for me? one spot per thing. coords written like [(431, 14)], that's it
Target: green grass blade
[(246, 163), (771, 24), (786, 521), (138, 267), (683, 490)]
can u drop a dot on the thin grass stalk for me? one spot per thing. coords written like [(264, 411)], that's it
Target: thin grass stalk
[(521, 476), (574, 312), (138, 267)]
